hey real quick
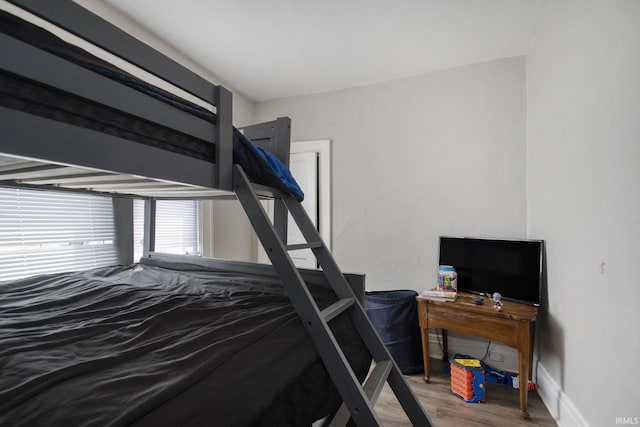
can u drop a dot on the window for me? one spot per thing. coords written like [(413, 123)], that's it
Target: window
[(177, 227), (54, 231)]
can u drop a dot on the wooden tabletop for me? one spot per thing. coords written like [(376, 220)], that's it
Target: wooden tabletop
[(466, 301)]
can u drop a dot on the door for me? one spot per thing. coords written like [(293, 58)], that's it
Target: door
[(310, 166), (304, 167)]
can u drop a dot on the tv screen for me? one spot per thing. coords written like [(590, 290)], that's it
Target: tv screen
[(484, 266)]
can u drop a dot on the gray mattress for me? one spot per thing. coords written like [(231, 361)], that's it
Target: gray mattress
[(167, 344)]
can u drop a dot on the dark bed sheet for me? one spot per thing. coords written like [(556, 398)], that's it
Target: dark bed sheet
[(168, 344)]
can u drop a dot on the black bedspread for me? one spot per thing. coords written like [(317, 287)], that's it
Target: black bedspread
[(146, 345)]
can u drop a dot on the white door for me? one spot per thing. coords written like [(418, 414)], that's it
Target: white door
[(310, 166), (304, 167)]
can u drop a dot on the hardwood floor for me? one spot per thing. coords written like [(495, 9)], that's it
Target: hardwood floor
[(445, 409)]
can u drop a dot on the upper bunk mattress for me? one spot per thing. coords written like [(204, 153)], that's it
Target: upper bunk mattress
[(31, 96), (168, 344)]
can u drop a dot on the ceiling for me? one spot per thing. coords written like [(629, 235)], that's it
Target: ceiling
[(267, 49)]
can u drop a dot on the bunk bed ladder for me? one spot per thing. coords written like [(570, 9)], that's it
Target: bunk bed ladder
[(358, 400)]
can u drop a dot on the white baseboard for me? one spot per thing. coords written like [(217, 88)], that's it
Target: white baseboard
[(561, 408), (557, 402)]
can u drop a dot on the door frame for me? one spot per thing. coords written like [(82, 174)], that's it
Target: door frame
[(322, 148)]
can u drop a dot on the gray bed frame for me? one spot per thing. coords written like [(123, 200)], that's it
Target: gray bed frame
[(37, 152), (32, 137), (311, 276), (46, 153)]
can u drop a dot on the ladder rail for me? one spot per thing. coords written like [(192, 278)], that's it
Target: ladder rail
[(335, 278), (374, 343), (358, 399), (372, 387), (332, 355)]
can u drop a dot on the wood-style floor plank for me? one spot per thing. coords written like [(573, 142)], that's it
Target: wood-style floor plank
[(445, 409)]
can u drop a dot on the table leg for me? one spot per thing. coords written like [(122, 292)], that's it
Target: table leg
[(425, 353), (445, 346), (524, 366), (532, 332)]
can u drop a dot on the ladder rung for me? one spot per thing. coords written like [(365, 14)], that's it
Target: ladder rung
[(372, 388), (264, 192), (376, 380), (336, 308), (309, 245)]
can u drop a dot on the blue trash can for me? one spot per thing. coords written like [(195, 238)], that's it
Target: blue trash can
[(394, 315)]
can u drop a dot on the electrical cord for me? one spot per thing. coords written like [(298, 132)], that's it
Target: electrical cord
[(486, 353), (440, 343)]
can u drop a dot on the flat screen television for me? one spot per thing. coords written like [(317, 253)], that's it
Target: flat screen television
[(484, 266)]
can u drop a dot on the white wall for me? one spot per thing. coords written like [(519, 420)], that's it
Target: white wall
[(441, 153), (583, 148), (438, 154)]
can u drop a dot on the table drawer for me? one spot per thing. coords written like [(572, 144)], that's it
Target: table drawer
[(472, 323)]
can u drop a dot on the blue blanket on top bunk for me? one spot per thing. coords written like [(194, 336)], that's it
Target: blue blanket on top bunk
[(264, 166), (261, 166)]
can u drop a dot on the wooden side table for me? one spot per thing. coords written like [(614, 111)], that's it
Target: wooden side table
[(513, 326)]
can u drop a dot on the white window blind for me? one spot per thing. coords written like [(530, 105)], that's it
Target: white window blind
[(177, 227), (53, 231)]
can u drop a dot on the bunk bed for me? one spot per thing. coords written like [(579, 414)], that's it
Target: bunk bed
[(171, 340)]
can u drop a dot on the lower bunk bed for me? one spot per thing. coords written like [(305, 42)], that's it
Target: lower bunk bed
[(168, 341)]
